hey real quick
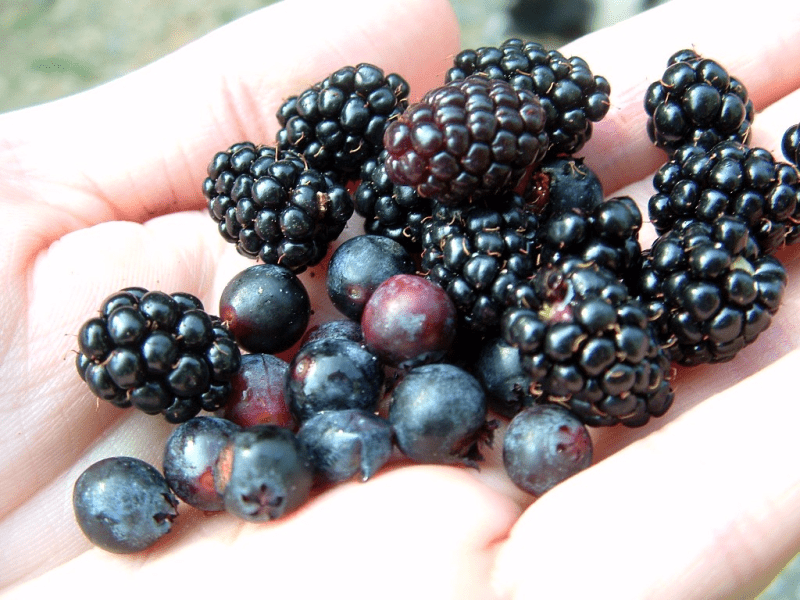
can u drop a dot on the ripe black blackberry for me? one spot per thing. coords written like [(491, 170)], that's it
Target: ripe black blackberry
[(158, 352), (571, 95), (466, 140), (588, 345), (790, 144), (481, 255), (391, 210), (273, 206), (697, 102), (729, 179), (607, 235), (338, 123), (708, 291)]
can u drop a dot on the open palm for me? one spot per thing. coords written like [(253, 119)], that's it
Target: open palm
[(103, 190)]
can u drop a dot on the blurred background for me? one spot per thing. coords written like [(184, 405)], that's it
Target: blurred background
[(53, 48)]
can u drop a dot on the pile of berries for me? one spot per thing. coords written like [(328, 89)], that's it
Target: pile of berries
[(493, 281)]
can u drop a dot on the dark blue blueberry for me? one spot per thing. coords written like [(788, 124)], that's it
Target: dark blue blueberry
[(265, 473), (438, 412), (341, 328), (189, 458), (359, 266), (500, 371), (544, 445), (332, 374), (344, 443), (123, 504)]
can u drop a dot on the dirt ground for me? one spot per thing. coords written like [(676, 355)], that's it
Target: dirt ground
[(53, 48)]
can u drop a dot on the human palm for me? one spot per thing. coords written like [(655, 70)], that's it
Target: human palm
[(103, 190)]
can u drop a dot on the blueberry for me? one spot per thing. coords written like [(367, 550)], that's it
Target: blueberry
[(266, 307), (264, 473), (544, 445), (340, 328), (438, 412), (257, 392), (409, 320), (344, 443), (123, 504), (189, 457), (332, 374), (359, 266), (499, 369)]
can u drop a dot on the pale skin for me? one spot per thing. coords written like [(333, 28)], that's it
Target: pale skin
[(102, 191)]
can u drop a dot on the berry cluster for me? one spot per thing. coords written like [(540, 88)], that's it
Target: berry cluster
[(492, 277)]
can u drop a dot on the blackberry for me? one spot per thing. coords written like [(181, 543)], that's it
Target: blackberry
[(466, 139), (708, 291), (389, 209), (481, 256), (696, 102), (790, 144), (160, 353), (338, 123), (275, 207), (588, 345), (607, 235), (729, 179), (572, 97)]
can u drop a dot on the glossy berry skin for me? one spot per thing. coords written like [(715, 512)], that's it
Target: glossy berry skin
[(266, 308), (189, 458), (438, 412), (264, 473), (343, 444), (696, 102), (467, 139), (543, 446), (409, 320), (339, 328), (507, 385), (359, 266), (123, 504), (332, 374), (563, 184), (257, 393), (790, 145)]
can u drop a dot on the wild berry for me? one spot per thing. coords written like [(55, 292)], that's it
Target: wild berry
[(790, 145), (257, 392)]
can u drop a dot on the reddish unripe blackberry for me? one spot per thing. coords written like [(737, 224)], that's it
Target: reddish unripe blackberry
[(572, 97), (588, 345), (607, 235), (389, 209), (275, 207), (257, 392), (544, 445), (338, 123), (790, 144), (409, 320), (697, 102), (708, 291), (157, 352), (729, 179), (466, 139), (481, 254)]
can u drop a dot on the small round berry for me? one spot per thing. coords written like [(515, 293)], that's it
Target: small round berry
[(257, 392)]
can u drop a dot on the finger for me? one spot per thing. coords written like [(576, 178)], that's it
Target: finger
[(139, 146), (705, 508), (427, 532), (634, 53)]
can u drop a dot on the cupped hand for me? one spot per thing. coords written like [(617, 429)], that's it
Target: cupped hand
[(103, 190)]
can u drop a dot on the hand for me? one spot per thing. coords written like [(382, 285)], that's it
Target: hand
[(102, 190)]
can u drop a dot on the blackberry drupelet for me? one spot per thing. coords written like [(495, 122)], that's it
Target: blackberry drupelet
[(708, 291), (790, 144), (391, 210), (572, 97), (588, 345), (338, 123), (466, 139), (607, 235), (696, 102), (275, 207), (157, 352), (729, 179), (481, 255)]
